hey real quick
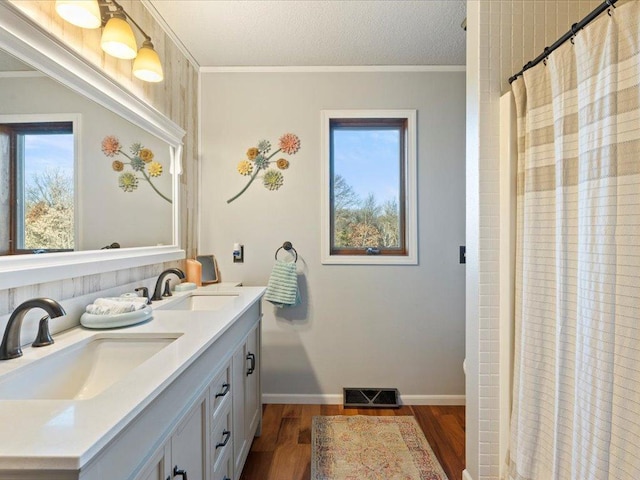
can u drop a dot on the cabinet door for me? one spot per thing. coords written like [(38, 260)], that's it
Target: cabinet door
[(159, 466), (252, 400), (188, 444), (247, 406)]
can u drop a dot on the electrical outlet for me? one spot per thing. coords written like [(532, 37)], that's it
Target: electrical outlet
[(238, 255)]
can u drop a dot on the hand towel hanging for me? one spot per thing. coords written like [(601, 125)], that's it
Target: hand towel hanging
[(282, 289)]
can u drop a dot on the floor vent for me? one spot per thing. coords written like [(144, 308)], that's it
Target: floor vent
[(371, 397)]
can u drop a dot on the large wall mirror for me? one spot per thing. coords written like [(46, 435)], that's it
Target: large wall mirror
[(88, 172)]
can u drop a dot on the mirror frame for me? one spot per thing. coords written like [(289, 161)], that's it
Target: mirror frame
[(25, 39)]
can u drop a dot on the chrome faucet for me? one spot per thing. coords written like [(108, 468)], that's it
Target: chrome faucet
[(157, 292), (10, 347)]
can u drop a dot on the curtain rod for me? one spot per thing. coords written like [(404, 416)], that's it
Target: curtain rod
[(575, 28)]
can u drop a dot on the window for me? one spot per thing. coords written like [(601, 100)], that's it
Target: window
[(369, 190), (38, 214)]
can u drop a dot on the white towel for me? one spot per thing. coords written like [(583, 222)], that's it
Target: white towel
[(116, 305), (282, 289)]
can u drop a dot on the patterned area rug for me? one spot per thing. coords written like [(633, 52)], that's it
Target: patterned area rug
[(371, 448)]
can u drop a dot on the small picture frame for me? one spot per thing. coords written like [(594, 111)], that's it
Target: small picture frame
[(210, 273)]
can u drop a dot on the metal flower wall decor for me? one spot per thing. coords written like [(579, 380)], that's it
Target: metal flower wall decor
[(141, 162), (259, 160)]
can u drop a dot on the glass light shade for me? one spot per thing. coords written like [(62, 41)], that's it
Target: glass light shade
[(147, 64), (118, 39), (82, 13)]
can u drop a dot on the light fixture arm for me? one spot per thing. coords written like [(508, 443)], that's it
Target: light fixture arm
[(119, 9)]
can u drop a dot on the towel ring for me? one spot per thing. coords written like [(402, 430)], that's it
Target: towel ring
[(288, 247)]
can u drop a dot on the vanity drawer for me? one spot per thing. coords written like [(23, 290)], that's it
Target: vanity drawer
[(220, 390), (221, 435), (224, 468)]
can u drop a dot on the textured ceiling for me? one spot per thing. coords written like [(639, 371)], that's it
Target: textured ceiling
[(220, 33)]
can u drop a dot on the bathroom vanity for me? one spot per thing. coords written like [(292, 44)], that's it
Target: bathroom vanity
[(181, 399)]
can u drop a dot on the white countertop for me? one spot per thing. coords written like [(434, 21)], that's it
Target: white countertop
[(66, 434)]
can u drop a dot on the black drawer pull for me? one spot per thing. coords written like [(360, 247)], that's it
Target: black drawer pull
[(252, 358), (225, 390), (182, 473), (227, 435)]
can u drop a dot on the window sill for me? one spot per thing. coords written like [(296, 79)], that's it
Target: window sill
[(369, 260)]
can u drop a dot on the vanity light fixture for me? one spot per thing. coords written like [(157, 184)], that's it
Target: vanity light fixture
[(118, 39), (147, 64), (81, 13)]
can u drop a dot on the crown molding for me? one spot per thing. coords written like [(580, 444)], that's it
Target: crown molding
[(335, 69)]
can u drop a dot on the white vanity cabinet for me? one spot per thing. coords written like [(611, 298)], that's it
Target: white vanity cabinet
[(247, 405), (208, 417)]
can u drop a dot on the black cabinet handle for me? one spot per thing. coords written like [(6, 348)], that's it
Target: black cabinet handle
[(177, 471), (225, 390), (252, 358), (227, 435)]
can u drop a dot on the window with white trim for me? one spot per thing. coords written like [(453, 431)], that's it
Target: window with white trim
[(37, 213), (369, 190)]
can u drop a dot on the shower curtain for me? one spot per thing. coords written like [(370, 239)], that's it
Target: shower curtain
[(576, 399)]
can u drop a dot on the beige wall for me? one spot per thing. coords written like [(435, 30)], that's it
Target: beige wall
[(502, 36), (358, 325)]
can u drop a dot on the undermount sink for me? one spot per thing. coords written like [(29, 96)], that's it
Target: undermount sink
[(84, 370), (202, 302)]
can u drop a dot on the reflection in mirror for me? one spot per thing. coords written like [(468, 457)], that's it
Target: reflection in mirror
[(108, 186), (39, 213)]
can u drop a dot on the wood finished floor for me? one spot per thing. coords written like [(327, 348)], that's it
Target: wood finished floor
[(283, 451)]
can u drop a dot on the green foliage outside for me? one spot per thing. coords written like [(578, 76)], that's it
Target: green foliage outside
[(363, 222), (49, 212)]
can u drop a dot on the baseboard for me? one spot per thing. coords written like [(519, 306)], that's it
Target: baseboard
[(293, 398), (336, 399), (466, 476), (432, 399)]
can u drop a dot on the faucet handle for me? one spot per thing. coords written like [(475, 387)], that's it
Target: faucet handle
[(167, 289), (44, 336), (145, 293)]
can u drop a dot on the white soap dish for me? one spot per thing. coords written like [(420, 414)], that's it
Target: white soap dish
[(184, 287), (91, 320)]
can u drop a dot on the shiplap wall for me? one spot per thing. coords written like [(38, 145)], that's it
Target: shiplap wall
[(176, 97)]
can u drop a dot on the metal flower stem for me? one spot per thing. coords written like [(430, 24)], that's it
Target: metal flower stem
[(154, 187), (148, 179), (253, 177)]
